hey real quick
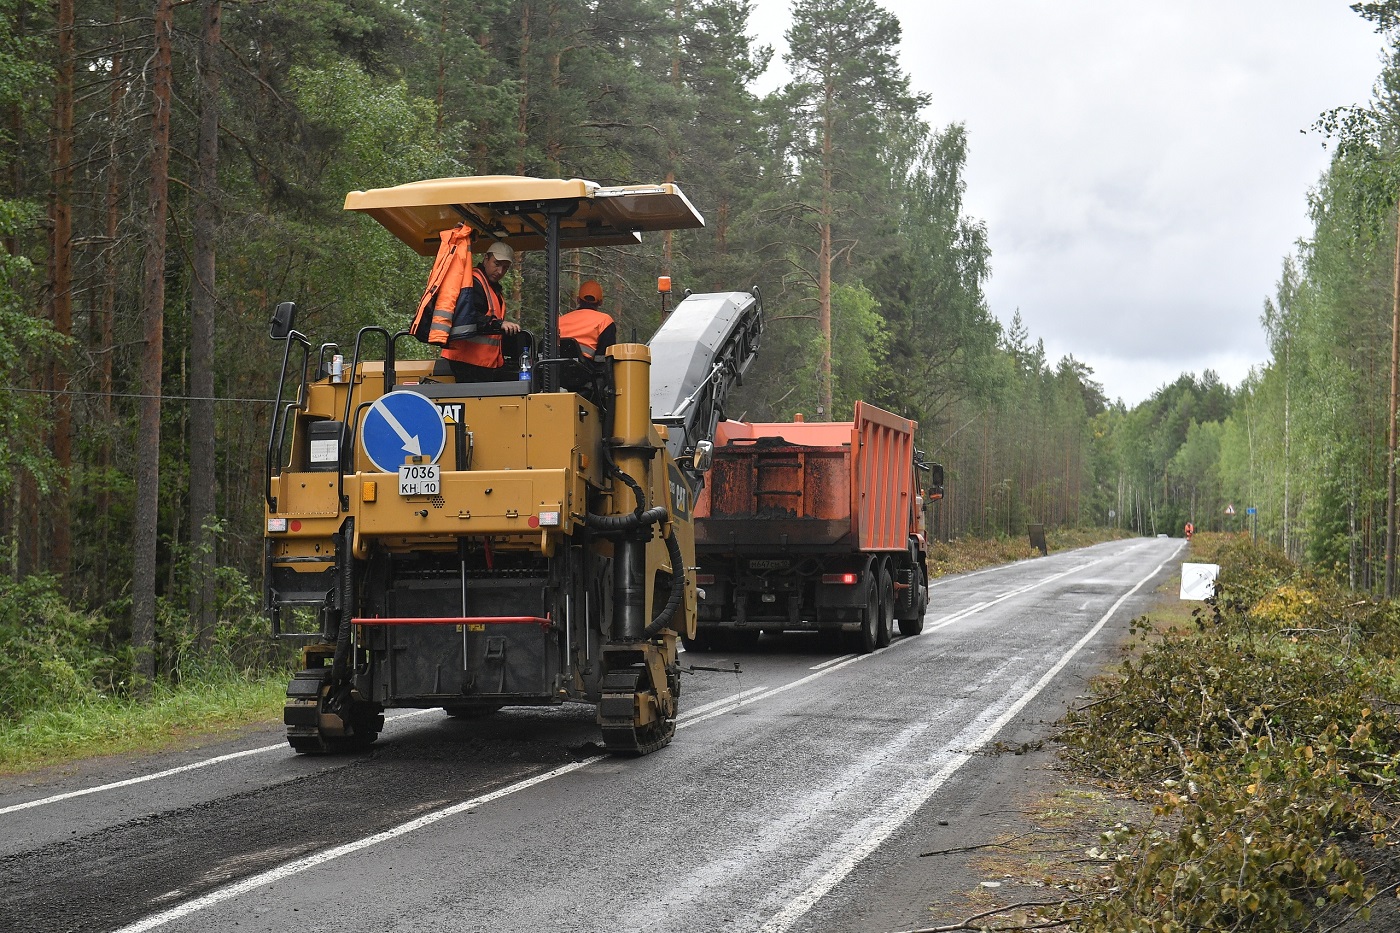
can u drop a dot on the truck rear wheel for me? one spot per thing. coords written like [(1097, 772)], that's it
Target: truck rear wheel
[(915, 624), (884, 633), (864, 641)]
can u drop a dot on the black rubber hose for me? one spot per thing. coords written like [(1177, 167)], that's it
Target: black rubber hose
[(668, 611), (638, 519), (347, 597)]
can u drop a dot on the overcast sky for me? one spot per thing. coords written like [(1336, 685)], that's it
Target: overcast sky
[(1140, 166)]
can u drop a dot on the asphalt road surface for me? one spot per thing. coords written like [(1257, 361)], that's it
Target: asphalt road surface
[(796, 795)]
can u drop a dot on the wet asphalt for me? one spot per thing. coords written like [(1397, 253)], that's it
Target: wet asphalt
[(796, 796)]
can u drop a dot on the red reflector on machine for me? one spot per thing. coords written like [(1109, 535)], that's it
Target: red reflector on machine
[(846, 579), (704, 579)]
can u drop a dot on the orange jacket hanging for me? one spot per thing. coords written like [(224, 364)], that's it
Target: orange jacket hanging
[(433, 320)]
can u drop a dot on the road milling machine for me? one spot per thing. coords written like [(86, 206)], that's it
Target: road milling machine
[(521, 542)]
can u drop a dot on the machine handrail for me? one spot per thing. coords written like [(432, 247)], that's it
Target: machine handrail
[(273, 466)]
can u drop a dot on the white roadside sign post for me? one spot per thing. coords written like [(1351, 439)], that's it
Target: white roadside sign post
[(1198, 580)]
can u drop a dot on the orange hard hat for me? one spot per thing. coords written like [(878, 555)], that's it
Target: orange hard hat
[(590, 291)]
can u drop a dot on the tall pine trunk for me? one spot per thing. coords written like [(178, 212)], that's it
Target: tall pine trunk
[(61, 275), (147, 511), (203, 489), (824, 218)]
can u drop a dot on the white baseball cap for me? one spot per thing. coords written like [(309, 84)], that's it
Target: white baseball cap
[(501, 252)]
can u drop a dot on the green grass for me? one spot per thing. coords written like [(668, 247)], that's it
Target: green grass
[(113, 726)]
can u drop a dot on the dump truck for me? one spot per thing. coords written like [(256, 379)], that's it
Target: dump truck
[(522, 541), (816, 526)]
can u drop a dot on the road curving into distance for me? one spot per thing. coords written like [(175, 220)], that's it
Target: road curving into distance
[(795, 796)]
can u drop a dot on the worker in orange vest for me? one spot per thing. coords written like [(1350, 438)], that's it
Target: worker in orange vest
[(594, 330), (1190, 530), (474, 349)]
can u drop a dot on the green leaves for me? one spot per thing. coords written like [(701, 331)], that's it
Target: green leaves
[(1267, 741)]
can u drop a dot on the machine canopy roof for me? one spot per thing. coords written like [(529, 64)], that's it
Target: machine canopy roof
[(516, 209)]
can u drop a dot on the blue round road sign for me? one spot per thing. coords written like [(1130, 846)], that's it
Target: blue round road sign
[(400, 425)]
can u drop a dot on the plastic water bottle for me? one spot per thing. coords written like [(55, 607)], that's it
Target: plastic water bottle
[(525, 364)]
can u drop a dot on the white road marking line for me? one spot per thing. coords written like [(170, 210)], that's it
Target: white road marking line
[(139, 780), (297, 866), (311, 861), (741, 699), (962, 614), (722, 701), (712, 710), (829, 662), (774, 691), (192, 766), (910, 804), (977, 573)]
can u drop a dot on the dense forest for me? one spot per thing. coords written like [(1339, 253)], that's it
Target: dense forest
[(169, 171)]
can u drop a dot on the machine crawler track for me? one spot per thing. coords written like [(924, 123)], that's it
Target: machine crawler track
[(627, 714)]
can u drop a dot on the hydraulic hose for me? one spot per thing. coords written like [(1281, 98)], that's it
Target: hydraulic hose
[(668, 611), (340, 662), (633, 520)]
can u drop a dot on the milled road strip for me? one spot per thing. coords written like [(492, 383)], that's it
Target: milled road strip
[(810, 896), (262, 879), (192, 766), (906, 805)]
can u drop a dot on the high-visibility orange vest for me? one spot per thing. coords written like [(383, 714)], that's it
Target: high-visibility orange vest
[(584, 325), (481, 349), (433, 320)]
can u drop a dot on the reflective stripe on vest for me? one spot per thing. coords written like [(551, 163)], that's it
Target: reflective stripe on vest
[(483, 350), (584, 325)]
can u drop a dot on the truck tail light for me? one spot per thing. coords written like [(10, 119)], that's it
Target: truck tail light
[(844, 579), (703, 579)]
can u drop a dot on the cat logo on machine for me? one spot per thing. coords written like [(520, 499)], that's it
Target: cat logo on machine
[(681, 495), (451, 411)]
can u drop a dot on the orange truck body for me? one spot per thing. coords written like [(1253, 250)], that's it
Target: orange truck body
[(802, 525)]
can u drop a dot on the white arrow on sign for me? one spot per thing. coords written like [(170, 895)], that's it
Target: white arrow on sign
[(410, 444)]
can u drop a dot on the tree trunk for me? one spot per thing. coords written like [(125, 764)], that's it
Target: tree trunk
[(203, 491), (147, 511), (1390, 427), (107, 309), (824, 391), (61, 276)]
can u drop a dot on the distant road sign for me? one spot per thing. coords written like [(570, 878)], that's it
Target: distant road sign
[(399, 425), (1229, 510), (1251, 511)]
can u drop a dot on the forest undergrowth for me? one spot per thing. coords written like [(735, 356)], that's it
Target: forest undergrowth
[(1264, 740)]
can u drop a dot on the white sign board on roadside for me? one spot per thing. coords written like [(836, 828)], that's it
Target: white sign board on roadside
[(1198, 580)]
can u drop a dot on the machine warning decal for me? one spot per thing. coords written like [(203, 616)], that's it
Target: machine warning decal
[(681, 495)]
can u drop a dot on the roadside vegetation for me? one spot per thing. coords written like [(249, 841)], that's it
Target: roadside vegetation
[(1263, 738), (65, 676)]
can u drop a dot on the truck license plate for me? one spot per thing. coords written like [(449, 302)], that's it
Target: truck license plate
[(769, 564), (420, 479)]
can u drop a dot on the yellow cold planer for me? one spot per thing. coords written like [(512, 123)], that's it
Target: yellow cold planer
[(477, 545)]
